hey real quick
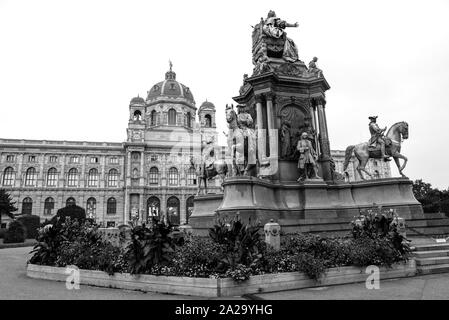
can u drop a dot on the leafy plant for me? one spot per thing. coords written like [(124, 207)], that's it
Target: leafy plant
[(376, 223), (242, 242), (15, 233), (7, 206), (150, 246), (32, 224), (72, 211)]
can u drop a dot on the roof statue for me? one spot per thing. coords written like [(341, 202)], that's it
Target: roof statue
[(274, 52)]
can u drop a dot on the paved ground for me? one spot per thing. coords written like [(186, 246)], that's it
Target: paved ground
[(15, 284), (27, 243), (416, 288)]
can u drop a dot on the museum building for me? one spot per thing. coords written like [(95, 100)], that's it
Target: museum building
[(149, 174)]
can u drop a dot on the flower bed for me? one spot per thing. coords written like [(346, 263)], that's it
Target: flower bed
[(233, 252), (220, 287)]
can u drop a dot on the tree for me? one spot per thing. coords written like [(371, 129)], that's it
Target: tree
[(6, 205), (432, 199), (72, 211)]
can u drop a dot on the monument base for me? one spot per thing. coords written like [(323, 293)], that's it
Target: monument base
[(309, 206)]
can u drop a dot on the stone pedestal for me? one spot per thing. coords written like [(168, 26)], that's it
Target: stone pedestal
[(311, 206), (272, 232)]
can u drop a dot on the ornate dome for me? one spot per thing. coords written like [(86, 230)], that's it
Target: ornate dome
[(170, 88), (137, 100), (207, 105)]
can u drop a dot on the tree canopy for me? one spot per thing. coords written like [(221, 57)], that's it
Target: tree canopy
[(6, 205)]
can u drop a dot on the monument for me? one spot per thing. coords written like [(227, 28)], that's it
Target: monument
[(279, 148)]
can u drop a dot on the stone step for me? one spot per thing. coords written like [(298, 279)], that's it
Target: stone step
[(431, 254), (432, 261), (439, 268), (425, 223), (429, 230), (433, 247)]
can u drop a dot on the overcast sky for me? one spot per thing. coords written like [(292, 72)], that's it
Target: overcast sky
[(68, 69)]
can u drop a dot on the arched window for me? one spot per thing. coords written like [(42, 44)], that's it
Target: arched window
[(27, 206), (30, 177), (172, 117), (52, 177), (189, 120), (189, 208), (173, 177), (153, 207), (153, 118), (91, 207), (70, 202), (49, 206), (137, 116), (111, 206), (173, 210), (113, 178), (153, 177), (208, 121), (191, 176), (92, 178), (8, 177), (72, 178)]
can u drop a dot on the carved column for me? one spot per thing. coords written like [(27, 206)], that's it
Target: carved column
[(142, 173), (325, 155), (324, 137), (261, 141), (272, 135), (315, 127), (127, 183), (182, 210)]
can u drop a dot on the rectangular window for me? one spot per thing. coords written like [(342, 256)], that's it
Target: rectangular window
[(110, 224), (113, 160), (74, 159), (31, 158), (153, 157), (93, 159), (9, 158), (53, 159)]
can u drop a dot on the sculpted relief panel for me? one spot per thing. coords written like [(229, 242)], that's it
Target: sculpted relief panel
[(294, 121)]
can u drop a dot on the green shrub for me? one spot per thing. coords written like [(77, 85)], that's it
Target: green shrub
[(243, 243), (309, 264), (198, 257), (73, 211), (32, 224), (378, 251), (15, 233), (376, 223), (149, 246), (77, 243)]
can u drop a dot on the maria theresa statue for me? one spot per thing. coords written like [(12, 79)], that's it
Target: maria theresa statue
[(274, 27)]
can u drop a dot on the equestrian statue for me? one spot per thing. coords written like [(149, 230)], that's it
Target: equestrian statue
[(379, 146)]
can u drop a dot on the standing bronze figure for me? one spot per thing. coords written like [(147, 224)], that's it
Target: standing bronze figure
[(307, 158)]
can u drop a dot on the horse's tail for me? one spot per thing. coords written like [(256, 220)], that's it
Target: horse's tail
[(348, 155)]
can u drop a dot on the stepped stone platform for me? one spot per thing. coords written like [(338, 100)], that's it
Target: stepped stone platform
[(432, 258), (314, 206)]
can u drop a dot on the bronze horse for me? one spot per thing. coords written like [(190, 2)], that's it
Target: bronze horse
[(394, 137), (219, 168), (239, 146)]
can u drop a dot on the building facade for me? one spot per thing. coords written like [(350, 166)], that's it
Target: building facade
[(150, 174)]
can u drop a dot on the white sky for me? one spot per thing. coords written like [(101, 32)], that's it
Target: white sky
[(68, 69)]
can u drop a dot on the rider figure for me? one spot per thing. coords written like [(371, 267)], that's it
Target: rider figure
[(207, 154), (377, 137)]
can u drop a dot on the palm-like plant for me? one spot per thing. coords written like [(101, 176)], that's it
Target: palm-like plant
[(6, 205)]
